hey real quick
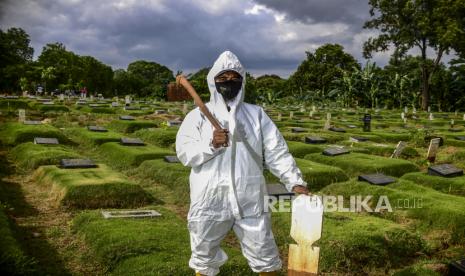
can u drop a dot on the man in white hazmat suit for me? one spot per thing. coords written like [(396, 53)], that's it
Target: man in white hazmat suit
[(227, 186)]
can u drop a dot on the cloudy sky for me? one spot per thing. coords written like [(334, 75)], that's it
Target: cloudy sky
[(269, 36)]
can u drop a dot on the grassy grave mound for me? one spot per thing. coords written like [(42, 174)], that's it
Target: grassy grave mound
[(330, 137), (100, 109), (29, 156), (17, 133), (130, 126), (430, 210), (83, 136), (385, 150), (158, 136), (299, 149), (315, 174), (453, 185), (356, 243), (358, 163), (146, 246), (13, 261), (125, 157), (91, 188)]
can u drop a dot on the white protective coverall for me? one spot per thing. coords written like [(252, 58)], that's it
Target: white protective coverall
[(227, 186)]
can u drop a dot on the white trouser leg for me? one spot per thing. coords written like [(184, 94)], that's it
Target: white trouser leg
[(257, 243), (206, 236)]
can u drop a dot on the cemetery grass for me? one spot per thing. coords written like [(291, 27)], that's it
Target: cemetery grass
[(146, 246), (158, 136), (35, 235)]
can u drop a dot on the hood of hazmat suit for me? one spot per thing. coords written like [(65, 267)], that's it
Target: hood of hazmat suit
[(228, 182)]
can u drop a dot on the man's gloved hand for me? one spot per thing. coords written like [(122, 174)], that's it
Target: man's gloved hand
[(299, 189), (220, 138)]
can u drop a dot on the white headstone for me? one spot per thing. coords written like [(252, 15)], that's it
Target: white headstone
[(313, 108), (328, 116), (406, 110), (279, 116), (184, 108), (402, 115), (291, 115), (452, 122), (433, 149), (302, 109), (398, 150), (21, 115), (91, 97), (431, 117), (405, 120), (414, 110), (311, 114), (127, 99), (429, 109), (464, 117), (456, 113)]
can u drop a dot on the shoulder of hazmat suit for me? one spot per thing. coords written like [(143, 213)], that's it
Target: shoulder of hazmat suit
[(228, 182)]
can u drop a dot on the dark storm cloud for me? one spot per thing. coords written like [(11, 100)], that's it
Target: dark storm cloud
[(352, 12), (268, 36)]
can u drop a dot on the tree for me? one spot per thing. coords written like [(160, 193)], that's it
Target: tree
[(430, 25), (15, 57), (154, 76), (269, 88), (320, 69)]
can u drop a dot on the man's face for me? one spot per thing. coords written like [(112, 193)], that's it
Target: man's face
[(228, 84), (228, 75)]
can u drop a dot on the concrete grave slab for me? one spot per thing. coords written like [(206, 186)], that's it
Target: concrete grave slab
[(298, 130), (45, 141), (337, 129), (97, 129), (174, 123), (358, 139), (32, 122), (130, 214), (171, 159), (77, 164), (460, 138), (377, 179), (334, 151), (126, 118), (315, 140), (445, 170), (132, 141)]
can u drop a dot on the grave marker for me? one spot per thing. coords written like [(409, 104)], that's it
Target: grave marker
[(352, 126), (398, 150), (367, 122), (433, 149), (130, 214), (306, 226), (171, 159), (21, 115), (431, 117), (333, 151), (32, 122), (337, 129), (173, 123), (460, 138), (126, 118), (291, 115), (315, 140), (445, 170), (114, 104), (358, 139), (160, 111), (184, 108), (45, 141), (298, 130), (377, 179), (402, 116), (131, 141), (127, 100), (77, 164), (97, 129)]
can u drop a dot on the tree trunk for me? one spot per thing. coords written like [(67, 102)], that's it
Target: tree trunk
[(424, 78)]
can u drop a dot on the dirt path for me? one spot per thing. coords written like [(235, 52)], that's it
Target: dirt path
[(42, 229)]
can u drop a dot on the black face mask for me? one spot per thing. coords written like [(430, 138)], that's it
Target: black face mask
[(228, 89)]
